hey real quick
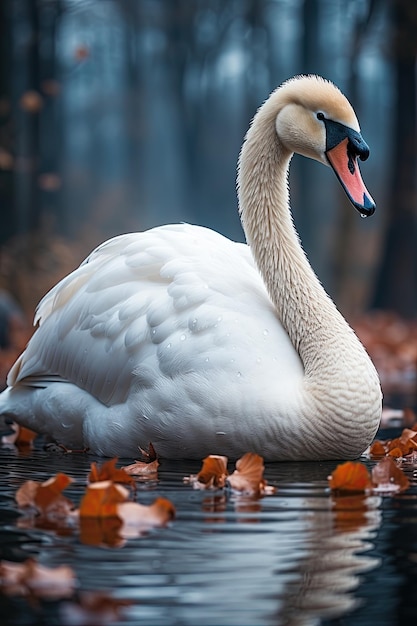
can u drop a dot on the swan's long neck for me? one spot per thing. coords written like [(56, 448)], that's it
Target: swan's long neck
[(319, 333), (297, 294)]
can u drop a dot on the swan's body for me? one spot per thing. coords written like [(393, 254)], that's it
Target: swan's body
[(180, 337)]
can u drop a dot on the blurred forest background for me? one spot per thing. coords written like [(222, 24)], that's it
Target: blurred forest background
[(119, 115)]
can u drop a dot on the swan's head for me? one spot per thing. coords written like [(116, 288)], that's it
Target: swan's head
[(316, 120)]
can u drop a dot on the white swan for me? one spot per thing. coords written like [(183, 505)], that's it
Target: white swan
[(180, 337)]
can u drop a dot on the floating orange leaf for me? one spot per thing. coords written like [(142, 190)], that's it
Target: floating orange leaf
[(46, 497), (212, 475), (388, 477), (397, 448), (25, 495), (101, 499), (31, 578), (377, 449), (137, 518), (25, 436), (50, 490), (141, 468), (396, 453), (248, 476), (109, 471), (214, 471), (350, 476), (19, 436)]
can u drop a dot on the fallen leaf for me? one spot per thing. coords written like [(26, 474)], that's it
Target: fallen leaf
[(149, 454), (48, 491), (248, 476), (109, 471), (25, 437), (25, 495), (388, 477), (138, 518), (350, 476), (397, 448), (20, 437), (377, 449), (212, 475), (46, 497), (101, 499), (31, 578), (396, 453), (142, 468)]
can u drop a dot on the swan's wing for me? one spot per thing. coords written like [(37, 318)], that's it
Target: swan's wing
[(112, 322)]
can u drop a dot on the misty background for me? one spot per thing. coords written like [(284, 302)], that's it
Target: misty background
[(119, 115)]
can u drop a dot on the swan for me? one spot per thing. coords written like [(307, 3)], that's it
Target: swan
[(180, 337)]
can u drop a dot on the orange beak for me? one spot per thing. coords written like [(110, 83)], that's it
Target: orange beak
[(344, 161)]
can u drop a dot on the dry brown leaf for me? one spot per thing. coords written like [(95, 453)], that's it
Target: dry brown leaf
[(109, 471), (46, 497), (31, 578), (25, 437), (149, 454), (138, 518), (25, 495), (388, 477), (248, 476), (396, 453), (377, 449), (101, 499), (212, 475), (50, 490), (397, 448), (141, 468), (20, 436), (350, 476)]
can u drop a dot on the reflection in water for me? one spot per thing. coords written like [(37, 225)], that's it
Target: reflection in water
[(329, 574), (295, 558)]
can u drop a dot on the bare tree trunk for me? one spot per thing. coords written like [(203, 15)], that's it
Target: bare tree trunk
[(27, 106), (350, 292), (397, 278), (6, 128)]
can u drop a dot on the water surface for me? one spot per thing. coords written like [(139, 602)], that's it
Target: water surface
[(301, 556)]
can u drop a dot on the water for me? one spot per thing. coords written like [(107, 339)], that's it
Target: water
[(299, 557)]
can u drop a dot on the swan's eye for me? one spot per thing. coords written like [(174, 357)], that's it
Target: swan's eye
[(320, 115)]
